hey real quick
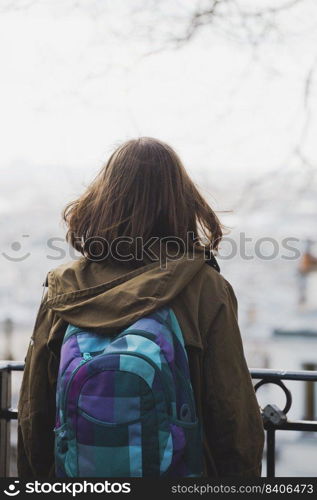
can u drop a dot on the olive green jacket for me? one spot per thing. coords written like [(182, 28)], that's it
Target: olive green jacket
[(106, 297)]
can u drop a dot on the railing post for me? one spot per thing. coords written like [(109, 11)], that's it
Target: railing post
[(5, 402), (270, 450)]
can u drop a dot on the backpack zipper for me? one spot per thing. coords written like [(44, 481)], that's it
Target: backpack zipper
[(85, 358), (88, 357)]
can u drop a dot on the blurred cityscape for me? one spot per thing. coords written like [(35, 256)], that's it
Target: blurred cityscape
[(234, 91)]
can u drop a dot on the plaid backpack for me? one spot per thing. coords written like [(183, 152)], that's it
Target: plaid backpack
[(125, 405)]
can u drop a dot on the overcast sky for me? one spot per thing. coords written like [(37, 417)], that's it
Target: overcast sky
[(74, 83)]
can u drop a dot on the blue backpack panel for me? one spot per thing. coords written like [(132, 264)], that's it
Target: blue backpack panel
[(125, 404)]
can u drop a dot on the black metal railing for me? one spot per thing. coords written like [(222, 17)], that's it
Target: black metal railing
[(6, 412), (274, 418)]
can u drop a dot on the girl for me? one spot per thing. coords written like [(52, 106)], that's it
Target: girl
[(146, 237)]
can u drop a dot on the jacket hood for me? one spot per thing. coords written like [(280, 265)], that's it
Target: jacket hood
[(107, 297)]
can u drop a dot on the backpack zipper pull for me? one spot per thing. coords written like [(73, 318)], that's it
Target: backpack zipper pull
[(86, 356)]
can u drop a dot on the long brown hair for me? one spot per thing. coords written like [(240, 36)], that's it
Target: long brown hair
[(142, 191)]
